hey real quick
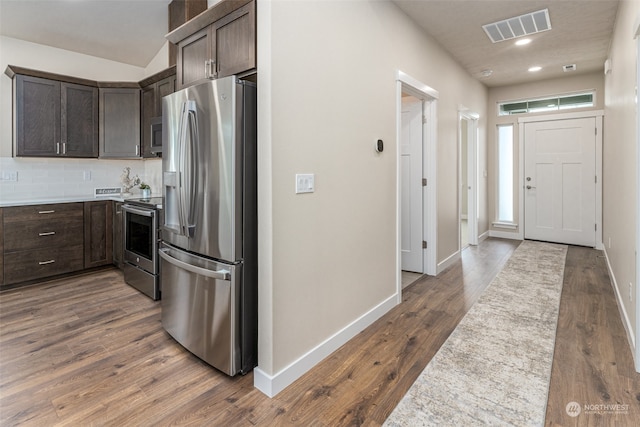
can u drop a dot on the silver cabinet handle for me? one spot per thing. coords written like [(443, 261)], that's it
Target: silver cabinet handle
[(46, 212), (57, 148), (48, 233), (214, 274), (51, 261), (64, 148)]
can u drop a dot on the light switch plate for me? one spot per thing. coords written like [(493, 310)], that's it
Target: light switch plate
[(305, 183)]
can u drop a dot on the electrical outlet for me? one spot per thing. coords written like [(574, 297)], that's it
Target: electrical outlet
[(86, 175), (9, 176)]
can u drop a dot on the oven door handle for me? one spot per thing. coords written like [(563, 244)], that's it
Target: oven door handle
[(141, 212), (214, 274)]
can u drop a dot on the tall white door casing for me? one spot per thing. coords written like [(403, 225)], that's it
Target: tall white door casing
[(560, 181), (411, 194)]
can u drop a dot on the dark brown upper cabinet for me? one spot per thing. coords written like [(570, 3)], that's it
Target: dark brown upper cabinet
[(54, 118), (217, 43), (119, 123), (181, 11), (154, 89)]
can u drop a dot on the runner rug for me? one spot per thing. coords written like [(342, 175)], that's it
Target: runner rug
[(494, 369)]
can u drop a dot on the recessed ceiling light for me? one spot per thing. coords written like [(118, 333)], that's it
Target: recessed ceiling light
[(534, 69), (486, 73), (523, 42)]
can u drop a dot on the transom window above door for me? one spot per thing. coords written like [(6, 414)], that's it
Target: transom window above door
[(552, 103)]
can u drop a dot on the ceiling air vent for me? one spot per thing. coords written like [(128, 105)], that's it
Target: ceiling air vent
[(570, 67), (523, 25)]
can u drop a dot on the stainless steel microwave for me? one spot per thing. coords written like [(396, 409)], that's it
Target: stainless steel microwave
[(156, 135)]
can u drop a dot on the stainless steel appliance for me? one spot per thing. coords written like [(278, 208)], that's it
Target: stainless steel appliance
[(141, 240), (156, 135), (209, 249)]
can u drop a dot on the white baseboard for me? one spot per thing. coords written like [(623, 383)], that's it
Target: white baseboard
[(446, 263), (483, 236), (505, 235), (271, 385), (623, 313)]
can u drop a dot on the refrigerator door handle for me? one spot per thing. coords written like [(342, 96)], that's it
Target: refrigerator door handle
[(214, 274), (187, 162)]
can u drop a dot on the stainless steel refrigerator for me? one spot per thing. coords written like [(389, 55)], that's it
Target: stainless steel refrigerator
[(209, 251)]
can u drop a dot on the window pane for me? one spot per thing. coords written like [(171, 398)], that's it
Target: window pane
[(505, 173), (550, 104)]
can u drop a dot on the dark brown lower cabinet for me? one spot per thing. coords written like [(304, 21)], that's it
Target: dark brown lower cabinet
[(42, 241), (118, 249), (1, 247), (39, 241), (98, 233), (39, 263)]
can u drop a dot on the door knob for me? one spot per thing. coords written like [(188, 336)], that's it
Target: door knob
[(529, 187), (528, 178)]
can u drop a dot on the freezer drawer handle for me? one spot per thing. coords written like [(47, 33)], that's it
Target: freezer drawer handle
[(220, 274)]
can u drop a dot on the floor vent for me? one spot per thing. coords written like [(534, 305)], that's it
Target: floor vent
[(523, 25)]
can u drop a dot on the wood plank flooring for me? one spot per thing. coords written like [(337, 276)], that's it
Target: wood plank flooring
[(592, 363), (91, 351)]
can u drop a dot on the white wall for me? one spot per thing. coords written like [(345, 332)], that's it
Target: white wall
[(63, 177), (620, 167), (326, 93)]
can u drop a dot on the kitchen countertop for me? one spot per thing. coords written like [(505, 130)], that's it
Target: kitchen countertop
[(67, 199)]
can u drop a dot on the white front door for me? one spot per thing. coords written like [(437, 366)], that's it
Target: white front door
[(560, 181), (411, 176)]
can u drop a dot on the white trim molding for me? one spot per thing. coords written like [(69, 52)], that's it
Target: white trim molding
[(429, 97), (271, 385)]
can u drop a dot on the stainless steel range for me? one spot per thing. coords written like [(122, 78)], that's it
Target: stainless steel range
[(141, 240)]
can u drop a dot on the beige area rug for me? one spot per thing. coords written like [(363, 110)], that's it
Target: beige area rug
[(494, 369)]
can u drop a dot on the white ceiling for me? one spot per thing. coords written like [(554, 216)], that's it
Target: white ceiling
[(580, 34), (133, 31)]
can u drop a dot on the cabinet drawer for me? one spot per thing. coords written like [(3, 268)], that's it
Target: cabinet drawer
[(35, 264), (56, 233), (49, 212)]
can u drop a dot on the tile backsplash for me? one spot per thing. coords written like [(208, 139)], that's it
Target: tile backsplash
[(35, 178)]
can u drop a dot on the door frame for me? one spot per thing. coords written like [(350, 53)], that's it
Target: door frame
[(429, 97), (637, 337), (472, 174), (597, 114)]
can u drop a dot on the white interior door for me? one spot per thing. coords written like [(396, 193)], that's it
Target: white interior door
[(411, 176), (560, 181)]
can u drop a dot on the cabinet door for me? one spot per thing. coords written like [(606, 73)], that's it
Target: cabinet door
[(79, 120), (37, 116), (194, 52), (163, 88), (119, 123), (1, 248), (118, 249), (234, 41), (148, 112), (98, 234)]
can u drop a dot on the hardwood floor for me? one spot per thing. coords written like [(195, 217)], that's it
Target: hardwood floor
[(592, 364), (91, 351)]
